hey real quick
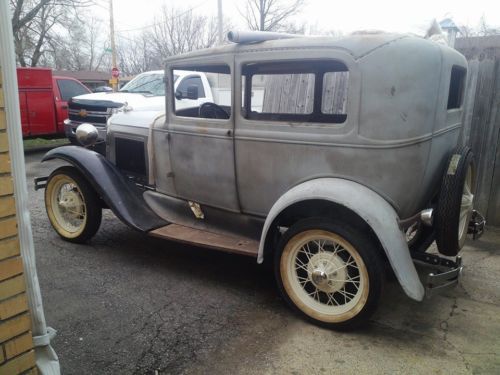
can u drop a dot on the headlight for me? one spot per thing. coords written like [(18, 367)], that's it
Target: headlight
[(87, 134)]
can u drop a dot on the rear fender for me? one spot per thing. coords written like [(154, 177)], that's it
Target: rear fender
[(120, 194), (369, 206)]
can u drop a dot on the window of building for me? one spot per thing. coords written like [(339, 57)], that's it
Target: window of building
[(302, 91), (457, 86), (204, 92)]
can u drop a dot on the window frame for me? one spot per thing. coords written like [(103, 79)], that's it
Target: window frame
[(59, 80), (317, 67), (195, 67)]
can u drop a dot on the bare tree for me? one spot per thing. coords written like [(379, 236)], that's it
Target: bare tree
[(271, 15), (136, 55), (176, 31), (33, 22), (482, 29)]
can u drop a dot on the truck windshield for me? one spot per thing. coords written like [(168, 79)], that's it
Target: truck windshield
[(152, 84)]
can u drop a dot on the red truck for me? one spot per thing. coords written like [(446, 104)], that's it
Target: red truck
[(43, 100)]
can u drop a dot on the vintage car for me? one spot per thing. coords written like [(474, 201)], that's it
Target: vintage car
[(333, 160)]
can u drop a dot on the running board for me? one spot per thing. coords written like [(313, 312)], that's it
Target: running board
[(181, 233)]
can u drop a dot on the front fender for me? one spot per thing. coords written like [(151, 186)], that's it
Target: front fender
[(120, 194), (368, 205)]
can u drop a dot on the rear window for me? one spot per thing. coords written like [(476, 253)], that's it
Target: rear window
[(457, 83), (70, 89)]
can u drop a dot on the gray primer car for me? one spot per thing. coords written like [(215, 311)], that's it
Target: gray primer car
[(328, 158)]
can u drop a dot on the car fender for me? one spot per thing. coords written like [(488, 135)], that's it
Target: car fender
[(120, 194), (372, 208)]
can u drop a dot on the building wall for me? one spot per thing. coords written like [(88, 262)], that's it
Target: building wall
[(16, 344)]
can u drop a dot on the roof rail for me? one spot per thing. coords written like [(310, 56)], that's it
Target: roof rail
[(257, 36)]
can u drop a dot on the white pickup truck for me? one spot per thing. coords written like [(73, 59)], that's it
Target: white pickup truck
[(146, 92)]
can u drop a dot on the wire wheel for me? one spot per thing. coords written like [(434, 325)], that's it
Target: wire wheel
[(72, 205), (67, 206), (455, 204), (326, 277), (466, 206)]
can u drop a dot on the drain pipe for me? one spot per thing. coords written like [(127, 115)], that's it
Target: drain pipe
[(46, 358)]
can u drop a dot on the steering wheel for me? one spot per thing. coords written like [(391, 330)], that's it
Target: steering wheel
[(212, 110)]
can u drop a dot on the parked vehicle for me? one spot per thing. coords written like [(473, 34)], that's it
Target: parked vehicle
[(146, 92), (43, 100), (103, 89), (332, 159)]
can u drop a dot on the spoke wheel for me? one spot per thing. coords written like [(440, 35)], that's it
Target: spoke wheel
[(72, 205), (324, 275), (455, 204), (466, 206)]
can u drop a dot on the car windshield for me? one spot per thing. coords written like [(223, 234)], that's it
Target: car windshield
[(146, 84)]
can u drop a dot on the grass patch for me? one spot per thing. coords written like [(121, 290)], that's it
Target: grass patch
[(44, 143)]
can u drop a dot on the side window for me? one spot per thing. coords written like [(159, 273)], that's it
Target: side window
[(191, 81), (301, 91), (69, 89), (457, 83), (334, 95), (274, 93), (193, 97)]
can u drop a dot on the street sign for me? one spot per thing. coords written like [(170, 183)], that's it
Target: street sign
[(115, 73)]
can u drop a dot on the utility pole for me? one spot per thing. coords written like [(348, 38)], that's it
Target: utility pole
[(113, 47), (219, 20)]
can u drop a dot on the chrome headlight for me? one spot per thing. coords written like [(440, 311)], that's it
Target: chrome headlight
[(87, 134)]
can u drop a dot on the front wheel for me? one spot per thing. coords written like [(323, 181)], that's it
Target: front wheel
[(72, 205), (329, 272)]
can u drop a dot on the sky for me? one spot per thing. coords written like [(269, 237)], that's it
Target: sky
[(131, 16)]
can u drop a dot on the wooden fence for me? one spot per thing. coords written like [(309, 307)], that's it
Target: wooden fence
[(482, 119)]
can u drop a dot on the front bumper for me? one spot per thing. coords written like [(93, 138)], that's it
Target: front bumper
[(445, 272)]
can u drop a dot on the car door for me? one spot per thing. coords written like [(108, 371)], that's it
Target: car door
[(200, 137)]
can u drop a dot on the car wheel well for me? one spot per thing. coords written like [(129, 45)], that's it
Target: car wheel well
[(315, 208)]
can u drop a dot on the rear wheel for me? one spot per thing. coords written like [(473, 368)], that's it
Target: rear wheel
[(72, 205), (329, 272)]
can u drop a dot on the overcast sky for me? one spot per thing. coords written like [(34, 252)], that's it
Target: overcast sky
[(341, 15)]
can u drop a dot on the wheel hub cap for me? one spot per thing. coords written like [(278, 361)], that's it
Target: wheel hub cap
[(327, 272), (71, 203)]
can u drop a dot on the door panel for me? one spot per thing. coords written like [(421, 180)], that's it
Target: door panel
[(41, 112), (202, 149)]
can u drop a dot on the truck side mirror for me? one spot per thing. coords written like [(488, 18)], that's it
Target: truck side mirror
[(178, 94), (192, 92)]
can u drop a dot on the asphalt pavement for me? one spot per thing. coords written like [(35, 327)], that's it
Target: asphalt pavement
[(129, 304)]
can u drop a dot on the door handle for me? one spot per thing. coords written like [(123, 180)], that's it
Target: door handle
[(229, 133)]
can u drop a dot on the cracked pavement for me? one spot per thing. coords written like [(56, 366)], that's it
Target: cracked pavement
[(130, 304)]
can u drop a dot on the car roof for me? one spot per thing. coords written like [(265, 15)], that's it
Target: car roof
[(357, 44)]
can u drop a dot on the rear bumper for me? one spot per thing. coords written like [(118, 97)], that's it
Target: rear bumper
[(445, 272), (476, 225)]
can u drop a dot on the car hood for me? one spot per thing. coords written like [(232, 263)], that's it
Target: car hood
[(137, 102)]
